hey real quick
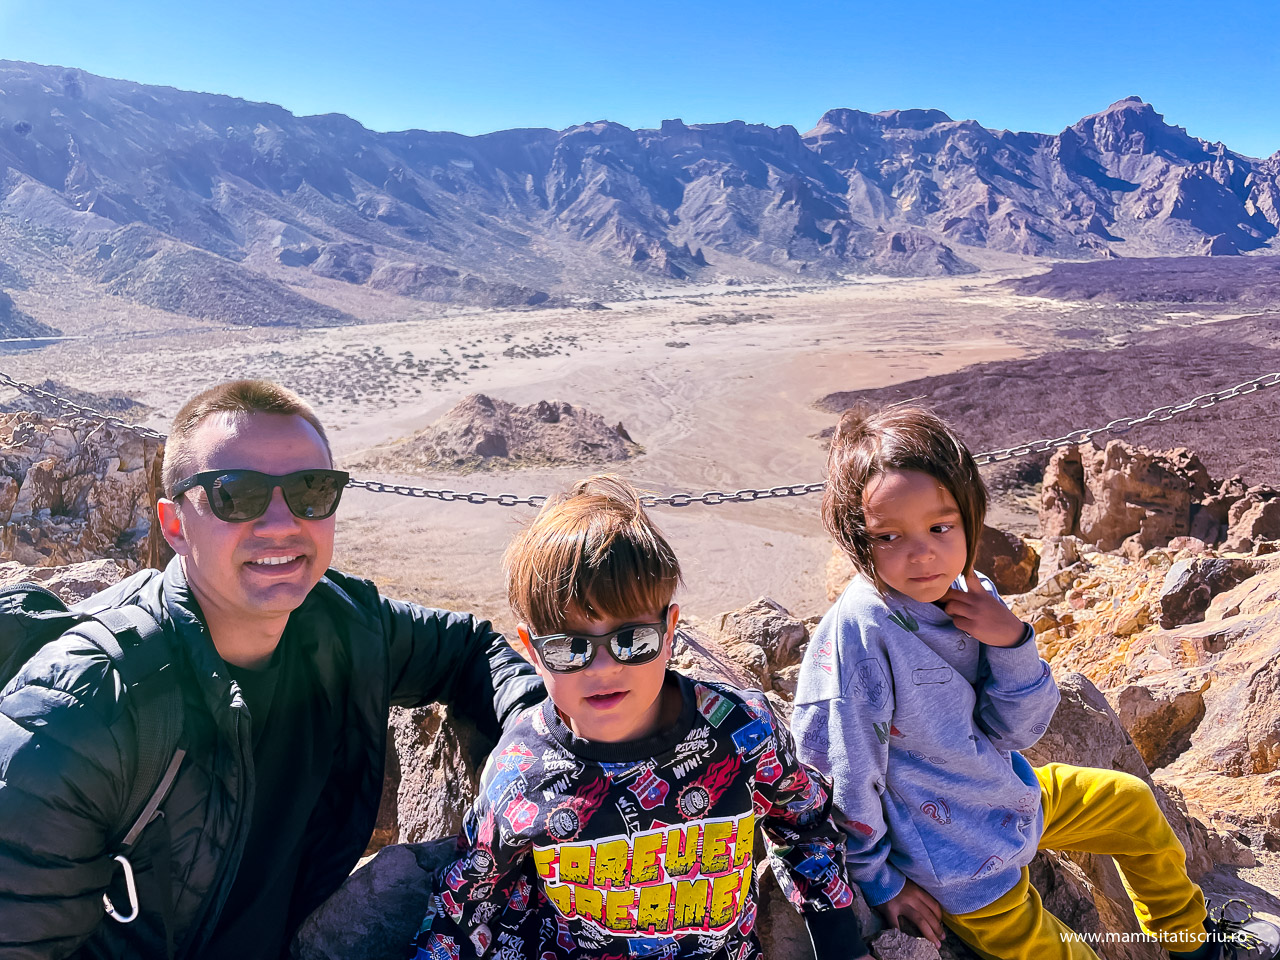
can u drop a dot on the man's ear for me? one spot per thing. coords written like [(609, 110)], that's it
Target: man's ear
[(171, 526), (673, 617), (525, 646)]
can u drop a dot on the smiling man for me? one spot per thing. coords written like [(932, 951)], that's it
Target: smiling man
[(287, 671)]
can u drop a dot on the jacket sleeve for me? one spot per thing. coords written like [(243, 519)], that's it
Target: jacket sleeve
[(63, 779), (1017, 695), (842, 722), (486, 889), (457, 659), (806, 848)]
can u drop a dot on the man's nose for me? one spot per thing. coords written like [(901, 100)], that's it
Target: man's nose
[(278, 516)]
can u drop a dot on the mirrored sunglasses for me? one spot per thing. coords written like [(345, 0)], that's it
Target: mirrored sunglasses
[(632, 646), (238, 496)]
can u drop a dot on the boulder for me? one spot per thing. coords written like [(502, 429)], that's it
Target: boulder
[(1253, 518), (1008, 560), (72, 583), (766, 628), (1057, 553), (379, 908), (75, 491), (1191, 584)]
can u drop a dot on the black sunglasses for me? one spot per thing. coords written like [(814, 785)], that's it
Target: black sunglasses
[(632, 646), (238, 496)]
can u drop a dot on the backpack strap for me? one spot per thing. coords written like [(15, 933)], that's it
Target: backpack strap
[(136, 644), (139, 651)]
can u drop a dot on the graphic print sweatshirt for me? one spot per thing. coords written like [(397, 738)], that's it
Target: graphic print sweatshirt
[(917, 724), (586, 850)]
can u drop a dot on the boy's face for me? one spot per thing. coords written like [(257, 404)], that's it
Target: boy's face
[(607, 701), (917, 533)]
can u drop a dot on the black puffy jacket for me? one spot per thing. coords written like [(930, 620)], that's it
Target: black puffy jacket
[(68, 751)]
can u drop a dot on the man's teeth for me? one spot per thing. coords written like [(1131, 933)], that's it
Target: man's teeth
[(274, 561)]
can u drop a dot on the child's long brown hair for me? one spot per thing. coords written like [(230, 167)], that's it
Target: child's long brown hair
[(870, 442)]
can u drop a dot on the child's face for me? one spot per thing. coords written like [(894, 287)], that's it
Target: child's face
[(917, 533), (607, 701)]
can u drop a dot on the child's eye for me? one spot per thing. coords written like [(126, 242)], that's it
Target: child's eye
[(885, 537), (943, 527)]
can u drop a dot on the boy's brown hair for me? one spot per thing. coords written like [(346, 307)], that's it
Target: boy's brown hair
[(869, 442), (234, 396), (592, 551)]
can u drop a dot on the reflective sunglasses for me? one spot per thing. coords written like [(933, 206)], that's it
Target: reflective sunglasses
[(238, 496), (631, 646)]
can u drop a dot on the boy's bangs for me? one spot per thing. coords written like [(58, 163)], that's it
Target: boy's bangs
[(616, 581)]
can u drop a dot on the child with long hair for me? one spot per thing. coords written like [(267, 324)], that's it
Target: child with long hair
[(918, 689)]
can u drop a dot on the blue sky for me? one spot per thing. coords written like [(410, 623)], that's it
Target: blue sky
[(478, 65)]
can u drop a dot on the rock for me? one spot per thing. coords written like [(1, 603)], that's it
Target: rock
[(72, 583), (83, 492), (767, 625), (378, 909), (1123, 492), (1254, 517), (1057, 553), (1062, 493), (484, 433), (1160, 714), (440, 756), (1008, 560), (1191, 584), (896, 945)]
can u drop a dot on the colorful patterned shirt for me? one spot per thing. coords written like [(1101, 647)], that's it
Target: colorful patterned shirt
[(577, 849)]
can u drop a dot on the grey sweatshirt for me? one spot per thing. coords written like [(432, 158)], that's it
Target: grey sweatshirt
[(917, 724)]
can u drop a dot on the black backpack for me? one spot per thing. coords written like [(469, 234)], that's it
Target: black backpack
[(31, 616)]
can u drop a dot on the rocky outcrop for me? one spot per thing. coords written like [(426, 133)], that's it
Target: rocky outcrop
[(73, 491), (1133, 499), (72, 583), (483, 433), (1008, 560)]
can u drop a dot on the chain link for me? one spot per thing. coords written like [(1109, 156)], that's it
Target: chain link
[(715, 497), (78, 411)]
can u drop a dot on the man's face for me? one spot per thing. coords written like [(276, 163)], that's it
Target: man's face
[(227, 564)]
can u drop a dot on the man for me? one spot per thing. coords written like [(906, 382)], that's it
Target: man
[(287, 674)]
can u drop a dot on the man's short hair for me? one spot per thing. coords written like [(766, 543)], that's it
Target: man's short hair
[(233, 397), (869, 442), (592, 552)]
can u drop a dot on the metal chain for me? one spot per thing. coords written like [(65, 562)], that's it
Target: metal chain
[(1125, 424), (77, 410), (717, 497)]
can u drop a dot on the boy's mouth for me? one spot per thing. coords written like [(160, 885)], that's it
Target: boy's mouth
[(606, 701)]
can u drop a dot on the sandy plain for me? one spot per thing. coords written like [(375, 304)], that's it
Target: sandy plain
[(717, 385)]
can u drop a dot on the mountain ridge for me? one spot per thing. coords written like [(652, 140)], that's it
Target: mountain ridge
[(302, 208)]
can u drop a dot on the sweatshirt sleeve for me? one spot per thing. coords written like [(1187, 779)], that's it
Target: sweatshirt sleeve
[(488, 887), (1017, 695), (806, 848), (842, 721)]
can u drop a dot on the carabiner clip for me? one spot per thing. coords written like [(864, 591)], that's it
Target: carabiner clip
[(132, 890)]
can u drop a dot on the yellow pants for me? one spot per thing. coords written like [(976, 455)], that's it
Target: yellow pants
[(1102, 812)]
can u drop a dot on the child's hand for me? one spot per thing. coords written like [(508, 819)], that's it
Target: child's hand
[(981, 615), (917, 906)]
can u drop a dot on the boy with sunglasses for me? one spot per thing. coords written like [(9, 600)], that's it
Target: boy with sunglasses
[(286, 672), (617, 818)]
